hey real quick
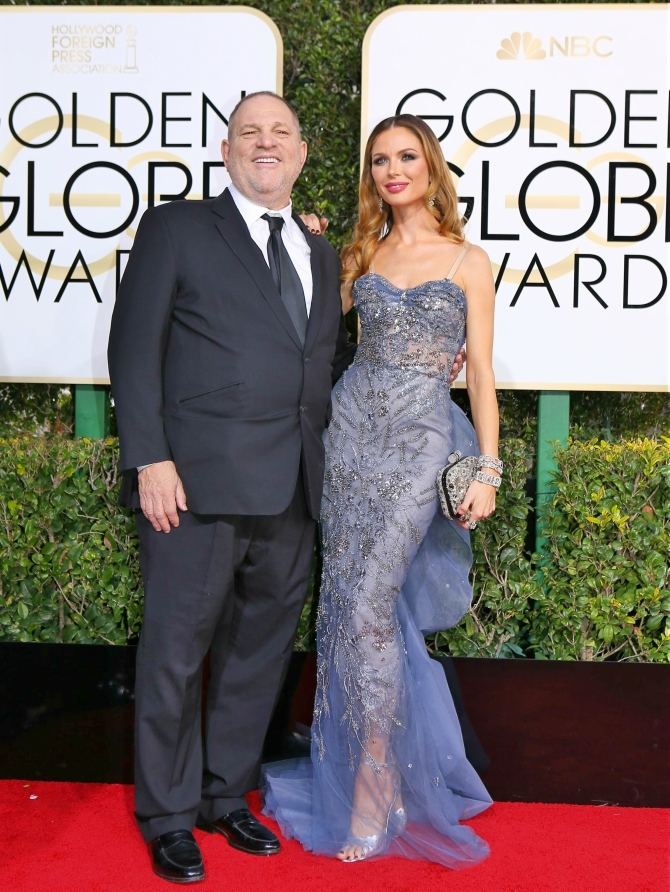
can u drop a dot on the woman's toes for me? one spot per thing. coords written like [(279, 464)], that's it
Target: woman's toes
[(349, 853)]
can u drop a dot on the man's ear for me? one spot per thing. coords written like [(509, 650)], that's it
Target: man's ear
[(225, 149), (303, 153)]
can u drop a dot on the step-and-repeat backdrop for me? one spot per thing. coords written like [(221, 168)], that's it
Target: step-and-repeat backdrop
[(555, 120), (104, 112)]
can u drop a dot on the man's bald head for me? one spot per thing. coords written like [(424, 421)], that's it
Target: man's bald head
[(249, 96)]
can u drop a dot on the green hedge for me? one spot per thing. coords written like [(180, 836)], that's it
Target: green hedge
[(606, 585), (69, 572), (68, 554)]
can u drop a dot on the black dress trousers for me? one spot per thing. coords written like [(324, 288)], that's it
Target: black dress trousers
[(233, 586)]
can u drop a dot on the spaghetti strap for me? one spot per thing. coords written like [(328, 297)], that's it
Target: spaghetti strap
[(457, 262)]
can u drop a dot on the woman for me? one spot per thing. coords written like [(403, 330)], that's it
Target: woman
[(388, 771)]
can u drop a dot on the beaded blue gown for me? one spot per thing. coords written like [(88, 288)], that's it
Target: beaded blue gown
[(387, 759)]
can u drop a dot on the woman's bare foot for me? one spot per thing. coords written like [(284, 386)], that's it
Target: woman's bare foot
[(376, 801)]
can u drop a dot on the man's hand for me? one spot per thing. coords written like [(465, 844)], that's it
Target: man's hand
[(161, 494), (459, 362), (316, 225)]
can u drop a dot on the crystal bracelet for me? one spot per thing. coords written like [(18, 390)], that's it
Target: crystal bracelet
[(488, 461), (491, 479)]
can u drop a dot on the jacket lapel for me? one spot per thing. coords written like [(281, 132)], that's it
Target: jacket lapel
[(317, 305), (235, 233)]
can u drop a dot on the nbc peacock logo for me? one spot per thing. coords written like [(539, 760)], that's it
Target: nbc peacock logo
[(520, 46)]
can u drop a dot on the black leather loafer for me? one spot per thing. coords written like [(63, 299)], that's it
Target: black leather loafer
[(244, 832), (176, 857)]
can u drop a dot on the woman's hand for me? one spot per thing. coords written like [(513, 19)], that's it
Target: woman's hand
[(478, 504), (316, 225), (459, 361)]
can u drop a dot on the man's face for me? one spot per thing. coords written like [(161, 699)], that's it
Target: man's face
[(264, 153)]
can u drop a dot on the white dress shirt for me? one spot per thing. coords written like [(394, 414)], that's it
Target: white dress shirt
[(292, 236)]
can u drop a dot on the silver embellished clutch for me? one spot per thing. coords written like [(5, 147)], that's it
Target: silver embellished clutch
[(453, 481)]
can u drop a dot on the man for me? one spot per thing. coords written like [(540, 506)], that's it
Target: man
[(221, 353)]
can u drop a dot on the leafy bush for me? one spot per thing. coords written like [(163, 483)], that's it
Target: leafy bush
[(68, 567), (606, 581), (69, 570), (42, 409)]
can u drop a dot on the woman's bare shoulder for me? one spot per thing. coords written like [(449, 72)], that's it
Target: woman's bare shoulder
[(476, 258), (477, 274)]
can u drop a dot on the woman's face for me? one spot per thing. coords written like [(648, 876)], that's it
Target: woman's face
[(399, 167)]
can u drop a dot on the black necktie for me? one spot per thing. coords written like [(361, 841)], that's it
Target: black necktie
[(285, 276)]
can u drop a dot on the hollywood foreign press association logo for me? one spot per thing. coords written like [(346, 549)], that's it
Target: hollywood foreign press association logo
[(93, 47)]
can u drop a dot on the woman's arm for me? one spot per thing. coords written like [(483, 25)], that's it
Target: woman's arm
[(479, 287), (347, 297), (346, 290)]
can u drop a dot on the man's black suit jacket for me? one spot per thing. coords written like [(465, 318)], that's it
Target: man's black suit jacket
[(207, 369)]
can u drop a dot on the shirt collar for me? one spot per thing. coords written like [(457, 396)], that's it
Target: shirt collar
[(252, 212)]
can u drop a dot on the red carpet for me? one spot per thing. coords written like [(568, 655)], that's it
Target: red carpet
[(82, 837)]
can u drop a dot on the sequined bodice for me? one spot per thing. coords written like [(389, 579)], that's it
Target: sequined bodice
[(418, 328)]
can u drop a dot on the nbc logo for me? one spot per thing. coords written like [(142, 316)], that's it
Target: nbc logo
[(520, 46), (572, 46)]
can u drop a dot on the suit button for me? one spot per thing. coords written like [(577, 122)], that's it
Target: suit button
[(307, 359), (303, 409)]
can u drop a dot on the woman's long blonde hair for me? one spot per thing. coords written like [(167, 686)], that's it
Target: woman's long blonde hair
[(375, 221)]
